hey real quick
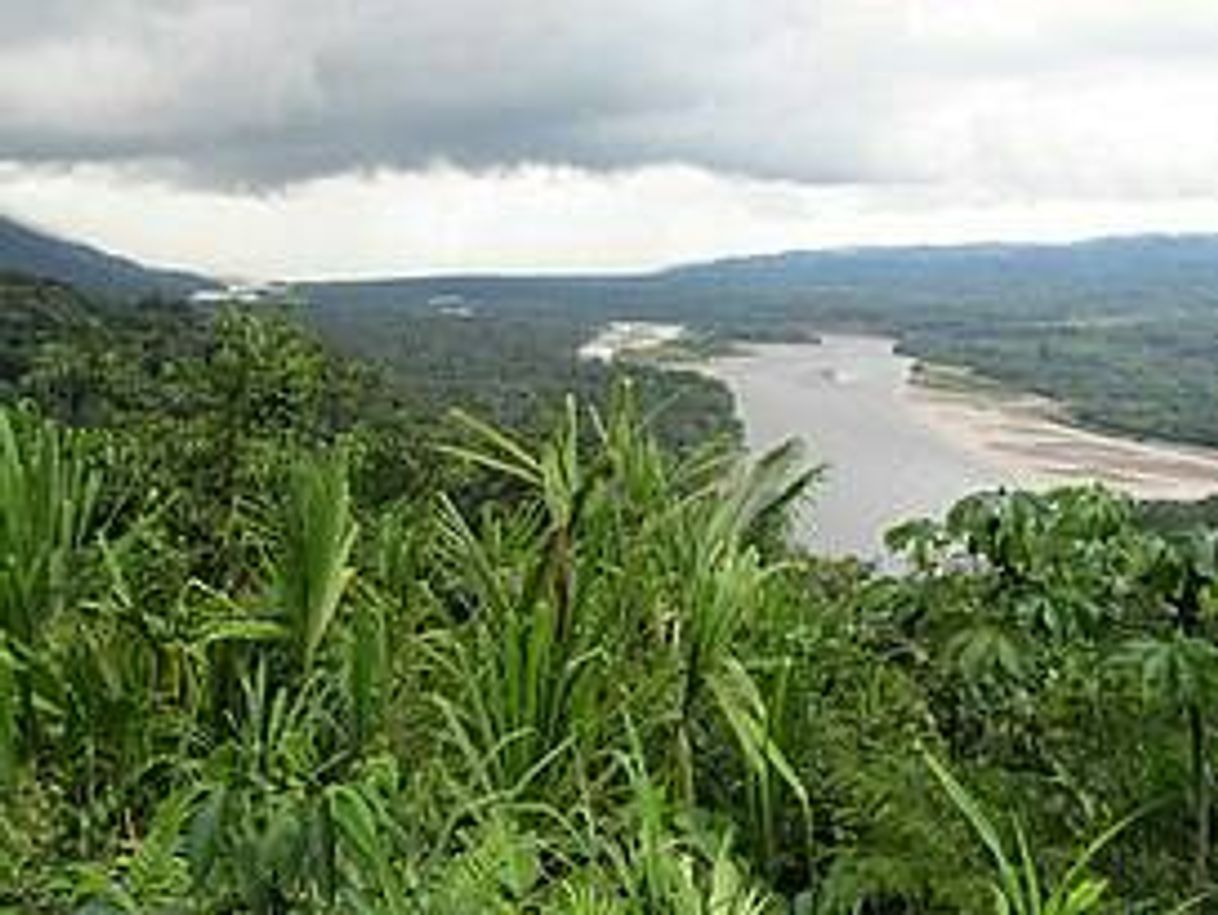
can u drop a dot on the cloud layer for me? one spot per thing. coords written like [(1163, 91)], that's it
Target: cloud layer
[(1068, 96), (357, 137)]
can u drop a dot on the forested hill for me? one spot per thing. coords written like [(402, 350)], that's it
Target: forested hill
[(1122, 331), (27, 250), (1104, 265), (933, 298), (279, 635), (1101, 275), (1134, 273)]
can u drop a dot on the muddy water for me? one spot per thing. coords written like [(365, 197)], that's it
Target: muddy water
[(893, 451)]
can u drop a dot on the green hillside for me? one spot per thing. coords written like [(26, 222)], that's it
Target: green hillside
[(279, 634), (24, 249)]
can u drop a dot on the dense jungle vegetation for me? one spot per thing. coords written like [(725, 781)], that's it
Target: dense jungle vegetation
[(1124, 332), (280, 632)]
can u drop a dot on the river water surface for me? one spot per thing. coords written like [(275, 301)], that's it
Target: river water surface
[(844, 399), (893, 451)]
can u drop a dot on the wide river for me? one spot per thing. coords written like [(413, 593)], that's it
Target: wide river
[(893, 450)]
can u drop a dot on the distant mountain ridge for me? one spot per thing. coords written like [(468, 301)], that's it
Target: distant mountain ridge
[(30, 251), (1112, 259), (1143, 243), (1120, 268), (1120, 273)]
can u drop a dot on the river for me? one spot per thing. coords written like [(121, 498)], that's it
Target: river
[(892, 450)]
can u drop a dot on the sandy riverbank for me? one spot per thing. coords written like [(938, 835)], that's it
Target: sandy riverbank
[(895, 448), (843, 398), (1020, 436)]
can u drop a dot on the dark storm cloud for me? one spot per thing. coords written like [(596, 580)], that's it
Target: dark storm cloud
[(266, 91)]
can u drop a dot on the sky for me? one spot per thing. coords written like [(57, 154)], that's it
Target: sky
[(311, 138)]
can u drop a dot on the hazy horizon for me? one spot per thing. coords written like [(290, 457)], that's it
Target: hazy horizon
[(576, 271)]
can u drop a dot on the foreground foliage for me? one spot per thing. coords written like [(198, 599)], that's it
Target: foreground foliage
[(288, 665)]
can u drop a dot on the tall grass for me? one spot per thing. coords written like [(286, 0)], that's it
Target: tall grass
[(617, 691), (48, 501)]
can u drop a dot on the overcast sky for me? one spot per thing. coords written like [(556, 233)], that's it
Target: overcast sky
[(357, 137)]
